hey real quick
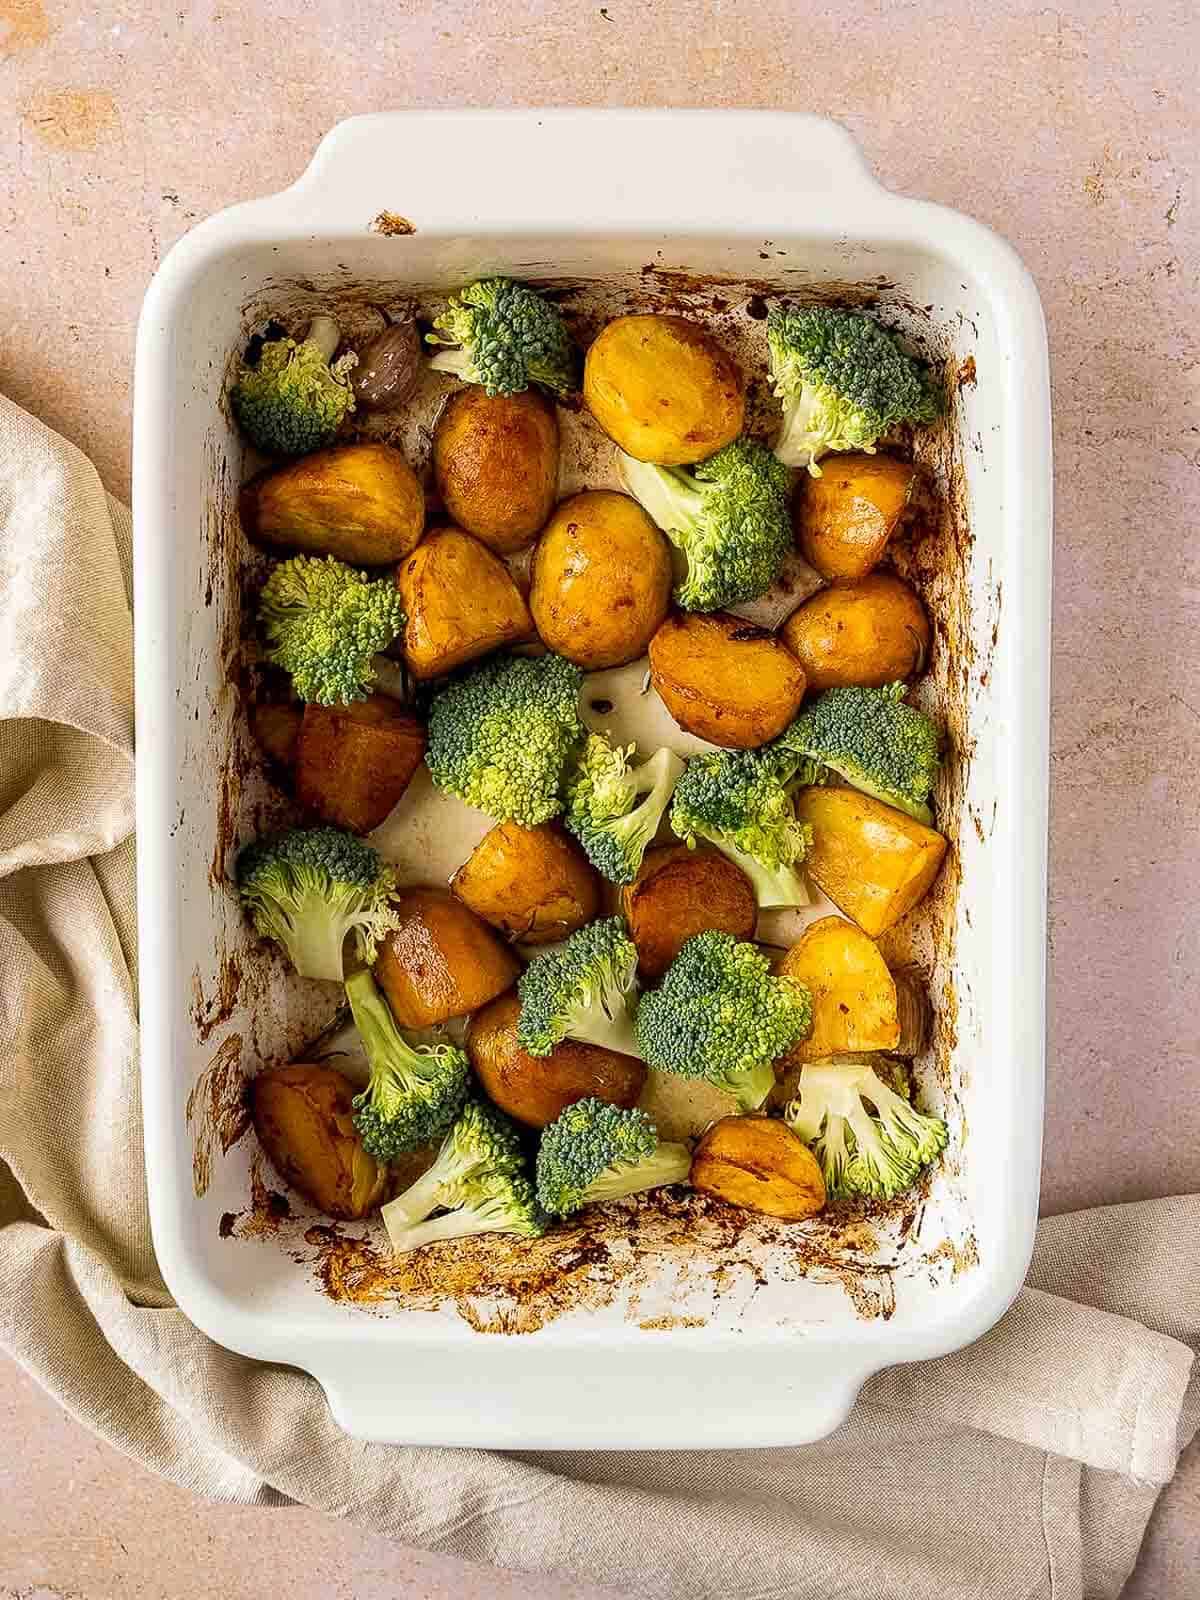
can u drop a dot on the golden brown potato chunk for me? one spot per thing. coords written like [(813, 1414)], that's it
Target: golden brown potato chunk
[(442, 961), (535, 1089), (663, 389), (461, 603), (680, 892), (725, 680), (496, 462), (872, 861), (844, 519), (870, 631), (359, 502), (276, 727), (534, 884), (853, 994), (354, 762), (601, 580), (760, 1165), (303, 1117)]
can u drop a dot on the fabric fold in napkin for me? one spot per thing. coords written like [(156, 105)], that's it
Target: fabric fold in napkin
[(1025, 1466)]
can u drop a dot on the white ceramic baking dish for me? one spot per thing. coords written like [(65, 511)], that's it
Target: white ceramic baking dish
[(686, 1336)]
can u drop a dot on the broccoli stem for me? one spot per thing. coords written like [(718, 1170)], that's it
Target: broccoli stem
[(670, 1163), (458, 1224), (773, 886), (372, 1018), (608, 1024), (316, 941), (667, 495), (752, 1087), (794, 446), (422, 1196), (453, 359), (325, 334)]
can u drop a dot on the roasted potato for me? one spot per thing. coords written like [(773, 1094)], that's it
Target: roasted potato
[(534, 884), (844, 519), (441, 961), (760, 1165), (601, 580), (276, 727), (496, 462), (725, 680), (534, 1089), (853, 993), (872, 861), (354, 762), (359, 502), (663, 389), (870, 632), (680, 892), (303, 1117), (461, 603)]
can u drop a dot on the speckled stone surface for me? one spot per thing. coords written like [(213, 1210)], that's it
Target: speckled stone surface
[(1073, 131)]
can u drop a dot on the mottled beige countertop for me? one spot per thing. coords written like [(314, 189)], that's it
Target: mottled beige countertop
[(1071, 130)]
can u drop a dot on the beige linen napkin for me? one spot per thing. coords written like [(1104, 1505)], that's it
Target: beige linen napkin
[(1025, 1466)]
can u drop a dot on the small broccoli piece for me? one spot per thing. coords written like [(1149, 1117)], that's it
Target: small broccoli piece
[(843, 381), (729, 516), (740, 801), (415, 1092), (581, 990), (860, 1153), (288, 398), (505, 337), (722, 1015), (874, 741), (603, 810), (481, 1145), (501, 737), (497, 1204), (594, 1152), (324, 621), (309, 888)]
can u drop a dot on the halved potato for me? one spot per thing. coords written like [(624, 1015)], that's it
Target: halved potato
[(853, 993), (871, 631), (442, 961), (276, 727), (304, 1120), (760, 1165), (844, 519), (680, 892), (354, 762), (535, 1089), (534, 884), (461, 603), (725, 680), (495, 457), (663, 389), (359, 502), (872, 861)]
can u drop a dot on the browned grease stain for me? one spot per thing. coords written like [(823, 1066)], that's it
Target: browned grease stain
[(72, 119), (216, 1110), (269, 1210), (965, 375), (211, 1011), (392, 225), (668, 1324), (25, 25)]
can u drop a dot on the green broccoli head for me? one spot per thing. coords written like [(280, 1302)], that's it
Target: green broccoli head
[(415, 1091), (861, 1153), (595, 1152), (505, 337), (288, 398), (843, 381), (729, 516), (324, 621), (481, 1146), (309, 888), (720, 1014), (613, 809), (740, 801), (874, 741), (501, 737), (581, 990)]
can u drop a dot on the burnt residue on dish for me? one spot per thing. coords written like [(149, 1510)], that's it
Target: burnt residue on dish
[(392, 225), (216, 1110)]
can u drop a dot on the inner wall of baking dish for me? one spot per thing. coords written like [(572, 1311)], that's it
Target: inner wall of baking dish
[(238, 1008)]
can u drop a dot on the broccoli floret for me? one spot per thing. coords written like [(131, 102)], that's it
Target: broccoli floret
[(861, 1153), (501, 738), (595, 1152), (310, 887), (288, 398), (603, 810), (722, 1015), (505, 337), (324, 621), (843, 381), (740, 801), (415, 1092), (729, 516), (582, 990), (874, 741), (482, 1143), (497, 1204)]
